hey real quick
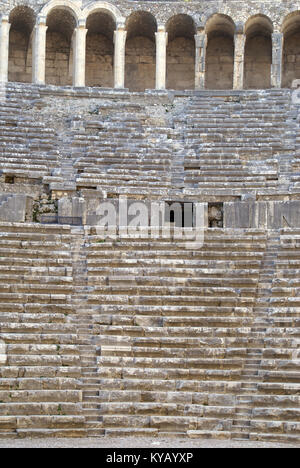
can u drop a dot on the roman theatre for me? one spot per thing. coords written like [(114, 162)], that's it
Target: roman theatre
[(150, 219)]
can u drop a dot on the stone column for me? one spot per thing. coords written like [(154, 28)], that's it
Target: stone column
[(161, 38), (79, 55), (200, 59), (276, 68), (39, 51), (119, 59), (239, 52), (4, 48)]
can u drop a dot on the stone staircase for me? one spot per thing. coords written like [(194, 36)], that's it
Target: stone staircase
[(122, 155), (63, 179), (186, 353), (242, 425), (83, 320), (142, 336), (235, 140), (172, 330), (40, 388), (250, 135), (26, 145), (276, 406)]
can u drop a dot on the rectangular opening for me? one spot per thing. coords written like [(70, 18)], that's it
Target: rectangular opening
[(179, 214), (9, 179), (215, 215)]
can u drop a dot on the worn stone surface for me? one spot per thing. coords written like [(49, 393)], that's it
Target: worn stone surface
[(124, 334), (248, 44), (130, 442)]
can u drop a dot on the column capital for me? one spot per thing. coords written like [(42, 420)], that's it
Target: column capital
[(81, 24), (277, 38), (81, 30), (161, 28), (277, 34), (239, 36), (239, 28), (41, 20), (120, 26), (200, 28), (120, 35), (4, 18), (161, 35)]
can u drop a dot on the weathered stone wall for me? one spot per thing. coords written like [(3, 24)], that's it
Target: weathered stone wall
[(140, 64), (181, 64), (239, 11), (291, 59), (143, 19), (262, 215), (20, 57), (13, 208), (47, 268), (99, 61), (58, 60), (258, 60), (219, 62)]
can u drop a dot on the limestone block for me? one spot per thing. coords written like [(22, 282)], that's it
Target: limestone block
[(13, 208)]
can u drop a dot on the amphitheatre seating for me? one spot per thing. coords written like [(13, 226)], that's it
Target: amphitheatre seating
[(276, 401), (40, 381), (123, 155), (244, 133), (144, 336), (27, 146), (173, 328), (235, 142), (185, 342)]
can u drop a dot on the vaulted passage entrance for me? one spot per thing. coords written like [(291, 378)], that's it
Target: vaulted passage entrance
[(291, 49), (100, 50), (258, 53), (140, 52), (59, 51), (181, 53), (219, 52), (22, 20)]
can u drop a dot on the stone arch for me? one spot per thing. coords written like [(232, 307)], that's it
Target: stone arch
[(22, 20), (140, 51), (100, 48), (220, 31), (181, 30), (258, 52), (61, 24), (105, 8), (66, 5), (211, 14), (291, 48), (166, 18)]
